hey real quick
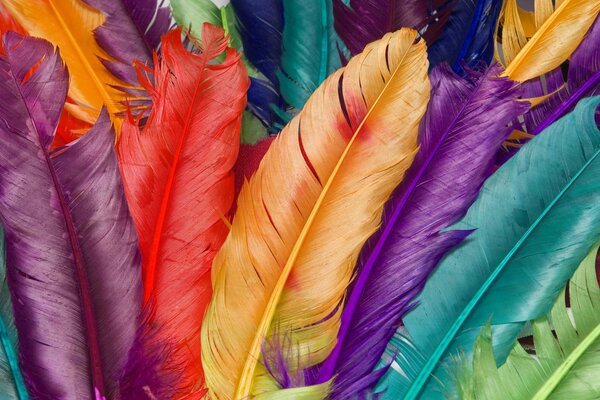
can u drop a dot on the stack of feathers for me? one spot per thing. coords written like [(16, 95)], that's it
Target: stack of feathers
[(299, 199)]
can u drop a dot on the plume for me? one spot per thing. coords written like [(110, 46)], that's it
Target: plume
[(563, 366), (286, 263), (179, 183), (99, 41), (71, 247), (536, 218), (12, 385), (463, 129), (359, 22)]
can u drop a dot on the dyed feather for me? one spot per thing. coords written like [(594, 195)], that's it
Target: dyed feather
[(360, 22), (463, 129), (12, 385), (73, 262), (468, 35), (179, 183), (564, 366), (283, 270), (555, 40), (99, 46), (535, 219), (310, 51)]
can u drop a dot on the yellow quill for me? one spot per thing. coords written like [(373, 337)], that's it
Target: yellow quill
[(302, 219), (554, 41), (69, 25)]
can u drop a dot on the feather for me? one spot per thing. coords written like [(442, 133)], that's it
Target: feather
[(464, 127), (72, 256), (564, 366), (555, 41), (99, 46), (179, 183), (468, 35), (286, 264), (359, 22), (12, 385), (536, 218), (8, 24), (310, 52)]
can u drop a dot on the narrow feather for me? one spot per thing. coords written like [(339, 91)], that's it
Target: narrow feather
[(286, 263), (179, 183), (464, 127), (536, 218), (73, 262), (12, 385)]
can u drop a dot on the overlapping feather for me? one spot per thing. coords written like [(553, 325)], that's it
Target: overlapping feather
[(283, 270), (535, 219), (179, 183), (73, 261)]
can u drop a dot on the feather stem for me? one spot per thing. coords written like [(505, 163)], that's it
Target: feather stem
[(425, 373), (244, 387), (470, 36), (13, 362), (553, 381), (324, 41), (568, 104)]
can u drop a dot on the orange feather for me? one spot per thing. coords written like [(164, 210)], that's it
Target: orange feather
[(178, 178)]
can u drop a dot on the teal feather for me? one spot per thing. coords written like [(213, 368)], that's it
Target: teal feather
[(12, 386), (310, 49), (535, 219)]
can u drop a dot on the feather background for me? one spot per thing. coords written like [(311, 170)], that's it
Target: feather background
[(180, 185)]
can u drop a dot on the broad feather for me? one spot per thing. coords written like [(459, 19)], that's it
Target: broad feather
[(565, 364), (465, 124), (73, 261), (535, 219), (302, 218), (99, 40), (179, 183)]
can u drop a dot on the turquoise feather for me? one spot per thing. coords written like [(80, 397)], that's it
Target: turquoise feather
[(310, 49), (536, 218), (12, 386)]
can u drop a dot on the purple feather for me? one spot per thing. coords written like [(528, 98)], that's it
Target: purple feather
[(73, 263), (131, 32), (364, 21), (465, 125)]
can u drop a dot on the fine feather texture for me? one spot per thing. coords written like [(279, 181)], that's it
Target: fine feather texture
[(464, 127), (536, 218), (179, 183), (12, 385), (555, 40), (71, 246), (284, 268), (96, 45), (310, 51), (564, 366)]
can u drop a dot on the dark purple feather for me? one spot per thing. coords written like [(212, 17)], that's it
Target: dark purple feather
[(131, 32), (73, 263), (465, 125)]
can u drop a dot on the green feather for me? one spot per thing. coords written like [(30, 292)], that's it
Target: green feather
[(12, 385), (310, 49), (565, 366), (535, 219)]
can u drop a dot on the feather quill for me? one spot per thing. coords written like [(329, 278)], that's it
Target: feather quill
[(535, 219), (463, 129), (179, 183), (564, 366), (71, 247), (99, 46), (287, 261)]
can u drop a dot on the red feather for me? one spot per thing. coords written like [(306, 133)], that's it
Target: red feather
[(179, 183)]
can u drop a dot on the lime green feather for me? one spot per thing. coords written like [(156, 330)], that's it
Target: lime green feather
[(566, 363)]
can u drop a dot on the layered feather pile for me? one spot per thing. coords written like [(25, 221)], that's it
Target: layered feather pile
[(283, 199)]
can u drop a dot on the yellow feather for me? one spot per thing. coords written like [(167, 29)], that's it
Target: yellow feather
[(527, 21), (555, 41), (513, 33), (69, 25), (303, 217), (542, 11)]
